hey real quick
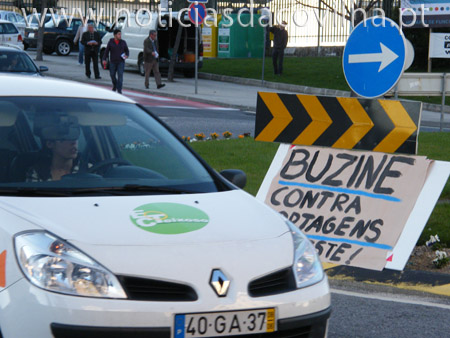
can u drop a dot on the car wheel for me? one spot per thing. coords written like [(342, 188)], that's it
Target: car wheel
[(25, 46), (63, 47), (141, 66)]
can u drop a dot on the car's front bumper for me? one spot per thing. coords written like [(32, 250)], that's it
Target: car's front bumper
[(38, 313), (311, 326)]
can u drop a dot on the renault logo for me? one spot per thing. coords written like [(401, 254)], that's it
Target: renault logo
[(220, 283)]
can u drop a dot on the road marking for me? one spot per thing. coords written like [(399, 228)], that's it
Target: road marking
[(147, 96), (186, 107), (387, 299)]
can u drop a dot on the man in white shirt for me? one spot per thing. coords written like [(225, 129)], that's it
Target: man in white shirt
[(81, 29)]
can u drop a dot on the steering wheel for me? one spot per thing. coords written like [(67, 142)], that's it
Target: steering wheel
[(108, 162)]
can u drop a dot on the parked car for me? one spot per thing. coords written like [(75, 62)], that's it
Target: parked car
[(135, 35), (15, 18), (58, 38), (10, 35), (137, 236), (34, 21), (15, 60)]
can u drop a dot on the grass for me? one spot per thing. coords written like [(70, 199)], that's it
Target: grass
[(323, 72), (306, 71), (254, 158)]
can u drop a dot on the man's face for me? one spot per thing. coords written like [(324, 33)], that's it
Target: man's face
[(91, 28), (153, 36), (65, 149), (118, 36)]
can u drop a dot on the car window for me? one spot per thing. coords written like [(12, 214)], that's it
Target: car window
[(51, 24), (74, 25), (20, 18), (16, 62), (111, 144), (62, 24), (8, 28), (12, 17), (101, 27)]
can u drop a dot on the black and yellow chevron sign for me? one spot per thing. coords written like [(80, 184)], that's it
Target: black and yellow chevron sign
[(339, 122)]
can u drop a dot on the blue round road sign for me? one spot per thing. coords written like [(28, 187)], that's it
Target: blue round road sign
[(374, 57), (201, 10)]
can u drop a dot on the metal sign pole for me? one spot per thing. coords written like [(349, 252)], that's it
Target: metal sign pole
[(196, 46), (264, 56), (444, 89)]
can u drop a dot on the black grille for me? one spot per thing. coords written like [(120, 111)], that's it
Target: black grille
[(154, 290), (275, 283)]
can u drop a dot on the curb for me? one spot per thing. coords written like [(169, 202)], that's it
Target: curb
[(274, 85), (299, 89), (424, 281)]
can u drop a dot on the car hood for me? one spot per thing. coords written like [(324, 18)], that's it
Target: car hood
[(156, 220)]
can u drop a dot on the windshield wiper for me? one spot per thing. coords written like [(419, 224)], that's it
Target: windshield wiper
[(130, 188), (35, 192)]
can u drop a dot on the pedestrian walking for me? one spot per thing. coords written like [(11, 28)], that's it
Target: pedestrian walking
[(280, 40), (91, 41), (117, 52), (81, 29), (151, 56)]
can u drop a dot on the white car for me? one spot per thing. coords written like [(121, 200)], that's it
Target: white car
[(112, 226), (9, 35), (17, 19)]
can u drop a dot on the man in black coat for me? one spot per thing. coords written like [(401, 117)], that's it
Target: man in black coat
[(91, 41), (280, 40)]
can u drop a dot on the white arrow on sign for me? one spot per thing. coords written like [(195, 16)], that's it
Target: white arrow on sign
[(386, 57)]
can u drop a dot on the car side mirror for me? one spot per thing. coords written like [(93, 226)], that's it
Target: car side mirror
[(43, 69), (235, 176)]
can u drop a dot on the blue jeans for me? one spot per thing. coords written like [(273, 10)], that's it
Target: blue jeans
[(117, 68), (80, 52)]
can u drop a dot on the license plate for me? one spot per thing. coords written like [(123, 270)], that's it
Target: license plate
[(217, 324)]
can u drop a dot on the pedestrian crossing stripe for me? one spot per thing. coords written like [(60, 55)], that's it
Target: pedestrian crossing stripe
[(339, 122)]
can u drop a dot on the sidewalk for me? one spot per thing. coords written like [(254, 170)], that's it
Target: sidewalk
[(226, 94)]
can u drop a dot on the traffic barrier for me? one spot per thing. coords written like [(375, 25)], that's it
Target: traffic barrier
[(348, 123)]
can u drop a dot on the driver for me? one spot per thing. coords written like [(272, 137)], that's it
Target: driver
[(13, 63), (59, 137)]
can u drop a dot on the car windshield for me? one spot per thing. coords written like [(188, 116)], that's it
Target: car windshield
[(16, 62), (36, 21), (88, 146)]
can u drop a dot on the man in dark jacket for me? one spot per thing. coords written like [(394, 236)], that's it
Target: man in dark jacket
[(91, 41), (151, 59), (280, 39), (117, 52)]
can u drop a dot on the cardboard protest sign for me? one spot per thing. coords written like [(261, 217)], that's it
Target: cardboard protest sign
[(353, 205)]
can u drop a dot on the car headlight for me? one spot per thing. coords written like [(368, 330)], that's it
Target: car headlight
[(307, 267), (54, 265)]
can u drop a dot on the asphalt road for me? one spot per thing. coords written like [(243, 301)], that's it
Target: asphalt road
[(358, 311), (359, 315), (188, 117)]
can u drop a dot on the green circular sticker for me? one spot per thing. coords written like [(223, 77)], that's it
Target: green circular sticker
[(168, 218)]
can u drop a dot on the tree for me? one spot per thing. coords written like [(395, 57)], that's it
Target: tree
[(40, 37)]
